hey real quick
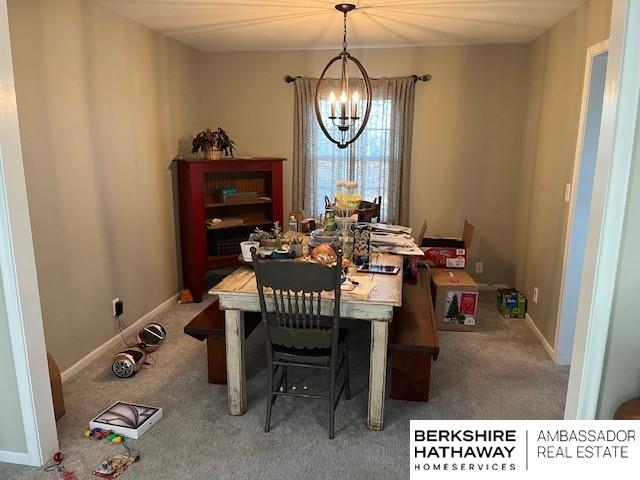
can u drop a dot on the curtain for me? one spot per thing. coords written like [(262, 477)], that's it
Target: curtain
[(380, 160)]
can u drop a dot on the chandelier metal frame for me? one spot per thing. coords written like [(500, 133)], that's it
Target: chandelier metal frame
[(347, 116)]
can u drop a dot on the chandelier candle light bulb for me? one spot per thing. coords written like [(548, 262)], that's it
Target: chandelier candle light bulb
[(354, 109), (332, 101), (343, 107)]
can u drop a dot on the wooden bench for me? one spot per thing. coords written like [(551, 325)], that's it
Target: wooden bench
[(209, 325), (413, 341)]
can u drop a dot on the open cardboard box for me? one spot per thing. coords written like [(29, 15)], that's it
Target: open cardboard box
[(446, 252), (56, 387)]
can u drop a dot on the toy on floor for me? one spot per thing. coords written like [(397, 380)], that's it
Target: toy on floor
[(113, 467), (99, 434), (185, 296), (56, 465), (126, 363)]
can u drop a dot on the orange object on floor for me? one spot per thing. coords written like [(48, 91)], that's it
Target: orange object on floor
[(185, 296)]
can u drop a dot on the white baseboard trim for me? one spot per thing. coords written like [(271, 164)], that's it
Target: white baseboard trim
[(548, 348), (15, 457), (109, 344)]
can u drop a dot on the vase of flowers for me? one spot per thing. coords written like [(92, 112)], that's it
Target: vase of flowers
[(347, 201)]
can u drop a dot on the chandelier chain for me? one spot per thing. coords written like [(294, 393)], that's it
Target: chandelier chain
[(344, 34)]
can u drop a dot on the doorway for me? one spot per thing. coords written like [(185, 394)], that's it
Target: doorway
[(580, 192)]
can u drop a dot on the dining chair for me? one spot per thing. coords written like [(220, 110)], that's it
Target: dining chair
[(296, 333)]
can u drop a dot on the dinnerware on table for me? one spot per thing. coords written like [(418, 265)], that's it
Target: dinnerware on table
[(246, 249)]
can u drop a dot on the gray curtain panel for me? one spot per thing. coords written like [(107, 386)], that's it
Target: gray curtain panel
[(380, 160)]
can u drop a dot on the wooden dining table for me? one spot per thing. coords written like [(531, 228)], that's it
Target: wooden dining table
[(238, 293)]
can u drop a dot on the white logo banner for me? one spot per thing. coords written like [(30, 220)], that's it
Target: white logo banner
[(523, 448)]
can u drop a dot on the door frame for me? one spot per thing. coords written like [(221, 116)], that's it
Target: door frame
[(608, 206), (19, 278), (592, 52)]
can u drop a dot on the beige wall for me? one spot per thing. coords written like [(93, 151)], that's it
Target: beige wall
[(467, 132), (621, 374), (12, 436), (103, 104), (553, 111)]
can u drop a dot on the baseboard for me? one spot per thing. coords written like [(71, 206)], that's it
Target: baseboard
[(548, 348), (15, 457), (111, 343)]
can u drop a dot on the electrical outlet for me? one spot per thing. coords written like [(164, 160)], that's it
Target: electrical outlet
[(535, 294), (479, 267), (118, 307)]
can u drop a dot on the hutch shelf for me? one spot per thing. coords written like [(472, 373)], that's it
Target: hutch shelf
[(200, 183)]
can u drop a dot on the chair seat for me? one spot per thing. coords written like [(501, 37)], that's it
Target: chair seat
[(308, 355)]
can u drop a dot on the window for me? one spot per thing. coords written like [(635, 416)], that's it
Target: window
[(375, 160), (367, 169)]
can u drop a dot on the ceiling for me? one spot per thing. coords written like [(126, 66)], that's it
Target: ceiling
[(236, 25)]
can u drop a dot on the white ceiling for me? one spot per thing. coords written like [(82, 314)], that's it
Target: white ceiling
[(235, 25)]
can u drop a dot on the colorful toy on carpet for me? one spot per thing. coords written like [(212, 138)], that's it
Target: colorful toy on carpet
[(113, 467), (99, 434), (56, 465)]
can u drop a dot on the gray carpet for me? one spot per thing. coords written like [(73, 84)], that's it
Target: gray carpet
[(498, 372)]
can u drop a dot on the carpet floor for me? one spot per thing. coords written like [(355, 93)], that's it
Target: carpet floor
[(499, 371)]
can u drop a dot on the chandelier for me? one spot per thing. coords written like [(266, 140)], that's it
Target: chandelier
[(344, 109)]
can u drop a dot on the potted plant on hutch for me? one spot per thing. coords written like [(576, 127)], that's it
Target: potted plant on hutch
[(213, 144)]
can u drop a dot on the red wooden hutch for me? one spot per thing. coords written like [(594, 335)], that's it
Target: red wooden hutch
[(199, 181)]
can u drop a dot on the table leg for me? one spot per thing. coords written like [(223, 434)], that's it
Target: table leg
[(377, 374), (236, 376)]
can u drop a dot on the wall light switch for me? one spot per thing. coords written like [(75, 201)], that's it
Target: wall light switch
[(567, 192), (535, 294), (479, 267)]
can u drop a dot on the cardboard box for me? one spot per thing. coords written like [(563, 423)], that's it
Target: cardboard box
[(511, 303), (455, 299), (56, 388), (128, 419), (446, 252)]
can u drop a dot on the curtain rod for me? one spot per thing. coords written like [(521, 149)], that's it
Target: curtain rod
[(421, 78)]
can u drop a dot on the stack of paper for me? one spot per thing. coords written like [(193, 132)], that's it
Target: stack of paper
[(386, 227), (399, 242), (362, 290)]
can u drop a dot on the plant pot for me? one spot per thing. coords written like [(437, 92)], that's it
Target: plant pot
[(270, 243), (213, 154), (296, 248)]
